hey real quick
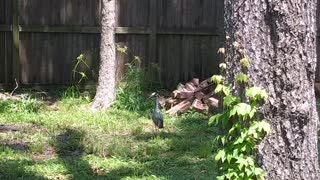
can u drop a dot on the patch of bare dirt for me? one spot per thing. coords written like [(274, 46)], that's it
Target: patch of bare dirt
[(22, 146), (4, 128), (47, 154)]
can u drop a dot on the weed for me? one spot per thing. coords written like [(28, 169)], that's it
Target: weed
[(131, 91), (243, 129), (24, 105)]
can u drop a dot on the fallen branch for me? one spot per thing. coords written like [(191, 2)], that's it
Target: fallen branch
[(17, 86)]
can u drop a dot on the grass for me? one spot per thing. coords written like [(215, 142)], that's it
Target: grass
[(61, 138)]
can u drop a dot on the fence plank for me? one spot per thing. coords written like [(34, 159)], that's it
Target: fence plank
[(5, 28), (153, 31), (16, 40)]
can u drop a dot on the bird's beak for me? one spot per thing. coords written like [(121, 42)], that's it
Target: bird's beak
[(152, 95)]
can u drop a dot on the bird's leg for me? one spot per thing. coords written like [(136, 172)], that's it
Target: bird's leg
[(155, 128)]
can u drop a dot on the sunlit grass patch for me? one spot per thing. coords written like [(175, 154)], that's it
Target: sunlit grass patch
[(63, 139)]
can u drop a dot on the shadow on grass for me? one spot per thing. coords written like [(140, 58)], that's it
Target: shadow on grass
[(70, 151), (16, 169), (185, 154), (6, 171)]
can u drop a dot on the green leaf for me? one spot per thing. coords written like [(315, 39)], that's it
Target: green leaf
[(253, 130), (221, 155), (229, 175), (242, 109), (215, 119), (239, 140), (256, 93), (225, 119), (83, 74), (259, 172), (226, 90), (241, 175), (218, 88), (244, 148), (223, 140), (252, 112), (223, 66), (235, 152), (249, 172), (241, 163), (123, 49), (229, 158), (264, 126), (229, 100), (245, 63), (233, 112), (250, 161), (242, 78), (233, 128), (221, 177), (216, 139), (217, 79)]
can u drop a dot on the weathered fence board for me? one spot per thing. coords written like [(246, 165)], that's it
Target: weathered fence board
[(5, 58), (5, 11), (6, 67), (133, 13), (60, 12)]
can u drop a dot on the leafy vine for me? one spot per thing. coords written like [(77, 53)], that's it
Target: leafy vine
[(241, 128)]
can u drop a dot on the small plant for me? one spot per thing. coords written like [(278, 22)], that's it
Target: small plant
[(26, 104), (71, 92), (81, 60), (79, 76), (131, 90), (242, 129)]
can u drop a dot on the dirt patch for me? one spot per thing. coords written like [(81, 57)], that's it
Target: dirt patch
[(23, 146), (47, 154), (4, 128)]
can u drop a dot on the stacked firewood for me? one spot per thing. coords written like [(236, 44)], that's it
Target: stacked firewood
[(192, 95)]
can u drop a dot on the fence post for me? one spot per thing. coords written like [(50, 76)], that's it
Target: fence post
[(16, 40)]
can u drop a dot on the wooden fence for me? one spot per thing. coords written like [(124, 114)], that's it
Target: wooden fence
[(40, 39)]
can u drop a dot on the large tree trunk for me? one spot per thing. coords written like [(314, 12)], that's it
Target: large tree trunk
[(105, 95), (279, 37)]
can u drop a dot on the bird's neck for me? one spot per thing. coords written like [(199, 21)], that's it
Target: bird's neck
[(157, 103)]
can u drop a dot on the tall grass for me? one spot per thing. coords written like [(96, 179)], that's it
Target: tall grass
[(26, 104), (133, 89)]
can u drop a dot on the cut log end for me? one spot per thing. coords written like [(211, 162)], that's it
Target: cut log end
[(193, 95)]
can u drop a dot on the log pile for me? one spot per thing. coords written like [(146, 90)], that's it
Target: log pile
[(192, 95)]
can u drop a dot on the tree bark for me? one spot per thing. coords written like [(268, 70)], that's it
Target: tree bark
[(106, 92), (279, 38)]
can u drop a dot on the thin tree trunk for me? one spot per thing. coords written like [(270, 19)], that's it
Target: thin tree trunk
[(279, 37), (105, 95)]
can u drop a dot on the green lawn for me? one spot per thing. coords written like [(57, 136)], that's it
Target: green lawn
[(61, 138)]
